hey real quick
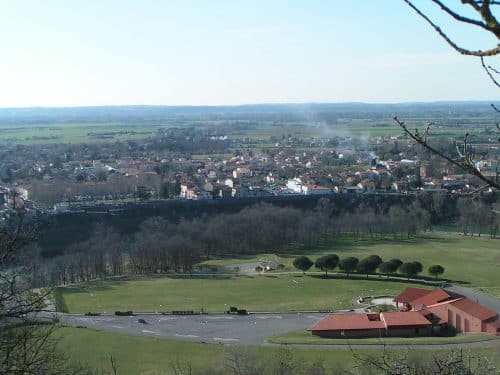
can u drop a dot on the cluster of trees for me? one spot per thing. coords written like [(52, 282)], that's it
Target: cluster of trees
[(160, 245), (367, 266), (476, 216), (176, 245)]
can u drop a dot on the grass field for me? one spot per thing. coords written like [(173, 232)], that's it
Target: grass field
[(305, 337), (217, 294), (473, 261), (141, 355)]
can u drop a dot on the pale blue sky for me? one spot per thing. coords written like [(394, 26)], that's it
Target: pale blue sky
[(106, 52)]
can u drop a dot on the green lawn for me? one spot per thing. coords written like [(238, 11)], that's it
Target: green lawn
[(473, 261), (305, 337), (143, 355), (217, 294)]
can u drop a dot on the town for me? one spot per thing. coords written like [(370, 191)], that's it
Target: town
[(203, 164)]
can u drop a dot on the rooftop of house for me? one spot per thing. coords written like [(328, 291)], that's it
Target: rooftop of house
[(431, 298), (348, 321), (370, 321), (399, 319), (476, 310), (411, 294)]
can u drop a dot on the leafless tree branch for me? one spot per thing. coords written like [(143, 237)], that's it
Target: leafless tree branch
[(488, 69), (465, 162), (490, 24)]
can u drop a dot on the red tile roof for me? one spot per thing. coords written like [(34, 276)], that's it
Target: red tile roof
[(410, 318), (410, 294), (435, 296), (476, 310), (347, 322)]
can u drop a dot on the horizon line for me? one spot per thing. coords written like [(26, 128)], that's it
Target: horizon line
[(250, 104)]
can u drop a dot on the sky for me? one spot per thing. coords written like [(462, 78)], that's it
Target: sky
[(123, 52)]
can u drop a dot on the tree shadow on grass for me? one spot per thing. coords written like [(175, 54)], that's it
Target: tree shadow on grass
[(356, 277), (350, 244)]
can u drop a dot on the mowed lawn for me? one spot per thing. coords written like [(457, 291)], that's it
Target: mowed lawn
[(305, 337), (471, 261), (144, 355), (475, 261), (217, 294)]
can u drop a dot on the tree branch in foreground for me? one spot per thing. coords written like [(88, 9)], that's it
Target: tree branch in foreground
[(465, 162)]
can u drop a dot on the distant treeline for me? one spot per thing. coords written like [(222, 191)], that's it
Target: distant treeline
[(258, 112)]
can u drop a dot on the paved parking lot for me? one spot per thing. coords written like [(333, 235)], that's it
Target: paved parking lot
[(221, 328)]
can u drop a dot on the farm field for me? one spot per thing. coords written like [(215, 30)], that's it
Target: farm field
[(90, 132), (291, 291), (141, 355)]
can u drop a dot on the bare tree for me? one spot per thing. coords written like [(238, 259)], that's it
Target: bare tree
[(405, 362), (26, 345), (487, 22)]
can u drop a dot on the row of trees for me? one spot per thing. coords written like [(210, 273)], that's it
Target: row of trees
[(367, 266)]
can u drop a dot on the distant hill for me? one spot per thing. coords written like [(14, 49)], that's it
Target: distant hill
[(271, 112)]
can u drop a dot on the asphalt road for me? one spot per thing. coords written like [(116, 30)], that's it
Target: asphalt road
[(218, 328)]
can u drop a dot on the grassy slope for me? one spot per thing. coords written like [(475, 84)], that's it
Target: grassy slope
[(304, 337), (473, 260), (141, 355)]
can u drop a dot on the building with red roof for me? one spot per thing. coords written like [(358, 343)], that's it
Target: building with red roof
[(411, 298), (449, 309), (407, 296), (466, 316), (409, 323), (421, 312)]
